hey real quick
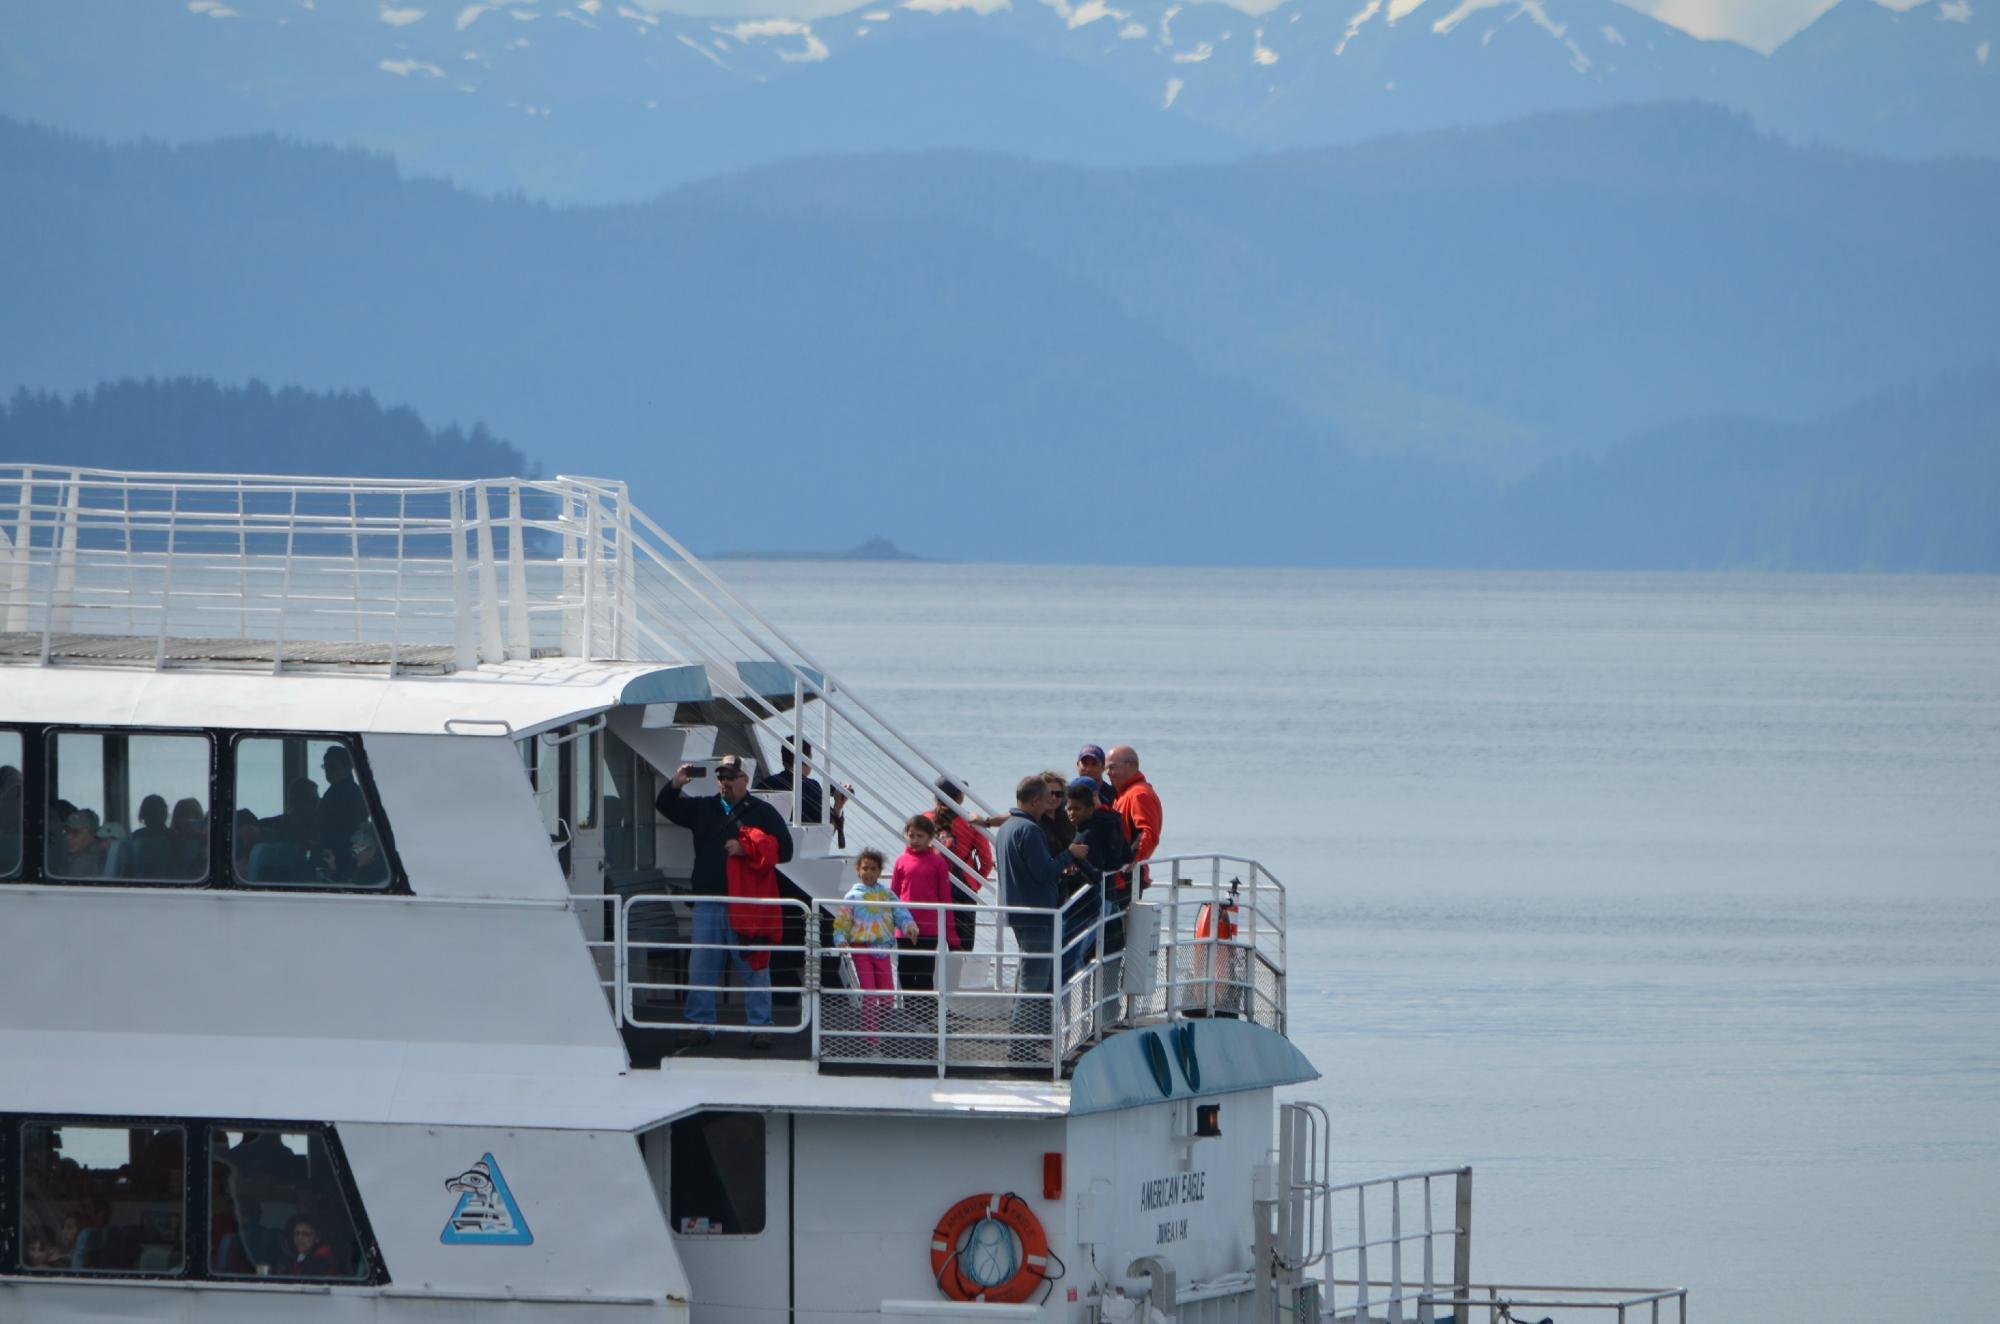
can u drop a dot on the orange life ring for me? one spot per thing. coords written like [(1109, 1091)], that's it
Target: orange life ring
[(1012, 1213)]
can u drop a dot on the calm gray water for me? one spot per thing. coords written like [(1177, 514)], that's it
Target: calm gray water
[(1671, 903)]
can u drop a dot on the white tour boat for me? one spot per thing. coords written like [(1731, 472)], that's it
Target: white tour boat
[(346, 965)]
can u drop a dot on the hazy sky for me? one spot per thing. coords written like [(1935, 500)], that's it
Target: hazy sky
[(1759, 23)]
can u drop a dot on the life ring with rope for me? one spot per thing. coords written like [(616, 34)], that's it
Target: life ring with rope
[(982, 1269)]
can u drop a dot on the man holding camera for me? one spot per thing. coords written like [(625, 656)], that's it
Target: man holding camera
[(714, 821)]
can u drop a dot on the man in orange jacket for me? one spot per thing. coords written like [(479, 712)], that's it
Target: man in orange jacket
[(1137, 803)]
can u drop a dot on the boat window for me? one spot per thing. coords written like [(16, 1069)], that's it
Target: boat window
[(276, 1208), (302, 818), (13, 803), (629, 792), (128, 806), (717, 1174), (106, 1199)]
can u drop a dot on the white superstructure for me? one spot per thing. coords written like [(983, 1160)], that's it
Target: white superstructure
[(346, 966)]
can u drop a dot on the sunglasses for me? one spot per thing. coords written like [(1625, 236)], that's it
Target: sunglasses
[(730, 776)]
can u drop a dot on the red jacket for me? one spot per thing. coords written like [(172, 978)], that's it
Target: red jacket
[(970, 844), (1139, 805), (754, 873)]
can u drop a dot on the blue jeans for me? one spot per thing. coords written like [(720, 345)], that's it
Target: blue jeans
[(1033, 934), (713, 941)]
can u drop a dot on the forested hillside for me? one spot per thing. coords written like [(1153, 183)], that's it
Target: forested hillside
[(193, 426)]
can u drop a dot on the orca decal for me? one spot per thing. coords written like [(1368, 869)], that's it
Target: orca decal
[(1183, 1037), (486, 1214)]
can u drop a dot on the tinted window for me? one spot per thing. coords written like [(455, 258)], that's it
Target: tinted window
[(629, 792), (128, 807), (275, 1208), (102, 1199), (302, 818), (717, 1174), (12, 806)]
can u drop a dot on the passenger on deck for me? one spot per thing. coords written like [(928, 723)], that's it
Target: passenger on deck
[(868, 926), (342, 809), (1138, 804), (811, 800), (713, 821), (1055, 823), (1030, 876), (922, 877), (1090, 763), (969, 844), (190, 832), (1102, 833), (149, 851), (82, 846)]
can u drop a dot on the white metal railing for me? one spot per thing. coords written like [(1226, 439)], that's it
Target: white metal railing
[(1221, 939), (990, 1005), (168, 569), (1327, 1264)]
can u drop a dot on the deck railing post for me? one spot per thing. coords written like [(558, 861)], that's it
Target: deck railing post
[(626, 644), (20, 557), (1424, 1306), (62, 587), (1395, 1252), (353, 553), (464, 645), (285, 587), (520, 644), (623, 974), (167, 579), (490, 647), (589, 648), (1461, 1252), (941, 991)]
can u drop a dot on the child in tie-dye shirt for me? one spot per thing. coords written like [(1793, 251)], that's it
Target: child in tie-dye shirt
[(868, 926)]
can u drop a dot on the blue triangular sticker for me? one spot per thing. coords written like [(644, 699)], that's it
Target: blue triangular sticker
[(486, 1213)]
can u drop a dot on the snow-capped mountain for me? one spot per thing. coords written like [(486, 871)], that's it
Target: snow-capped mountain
[(606, 99)]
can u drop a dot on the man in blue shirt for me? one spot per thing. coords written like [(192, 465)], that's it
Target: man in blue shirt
[(1031, 875)]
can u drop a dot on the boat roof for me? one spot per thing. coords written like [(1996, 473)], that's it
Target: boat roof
[(494, 698), (220, 1076)]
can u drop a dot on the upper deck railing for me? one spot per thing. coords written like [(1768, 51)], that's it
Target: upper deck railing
[(1034, 989), (165, 570)]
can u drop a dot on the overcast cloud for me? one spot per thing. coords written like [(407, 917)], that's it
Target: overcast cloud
[(1759, 23)]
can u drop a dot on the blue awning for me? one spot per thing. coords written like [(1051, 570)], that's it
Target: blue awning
[(1148, 1065)]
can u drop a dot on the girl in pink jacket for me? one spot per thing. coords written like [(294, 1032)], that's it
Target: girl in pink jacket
[(922, 875)]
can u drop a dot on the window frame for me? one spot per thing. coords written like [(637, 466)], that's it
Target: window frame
[(51, 767), (37, 762), (14, 1172), (763, 1152), (196, 1160), (30, 819), (364, 776)]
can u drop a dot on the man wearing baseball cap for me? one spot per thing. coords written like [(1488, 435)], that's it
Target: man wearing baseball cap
[(714, 821), (1090, 763)]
